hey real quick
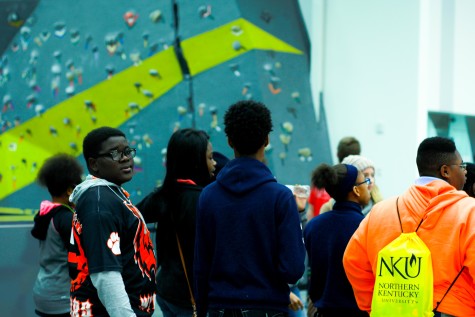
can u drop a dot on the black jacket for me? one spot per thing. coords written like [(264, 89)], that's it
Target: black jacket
[(174, 212)]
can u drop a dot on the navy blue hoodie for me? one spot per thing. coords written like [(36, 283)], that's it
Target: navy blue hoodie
[(249, 243)]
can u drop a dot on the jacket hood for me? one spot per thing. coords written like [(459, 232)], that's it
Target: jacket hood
[(242, 175), (42, 219), (429, 201), (46, 206), (90, 181)]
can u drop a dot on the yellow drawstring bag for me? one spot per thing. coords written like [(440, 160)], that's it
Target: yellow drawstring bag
[(404, 279)]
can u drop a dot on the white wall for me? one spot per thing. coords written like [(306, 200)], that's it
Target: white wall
[(464, 57), (382, 65), (370, 82)]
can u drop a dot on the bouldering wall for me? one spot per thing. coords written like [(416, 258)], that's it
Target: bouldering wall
[(147, 68), (74, 66)]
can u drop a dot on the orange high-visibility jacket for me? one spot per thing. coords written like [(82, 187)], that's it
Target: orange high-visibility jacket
[(448, 230)]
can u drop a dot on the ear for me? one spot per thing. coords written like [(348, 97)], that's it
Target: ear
[(267, 141), (92, 163), (444, 172), (356, 191), (230, 143)]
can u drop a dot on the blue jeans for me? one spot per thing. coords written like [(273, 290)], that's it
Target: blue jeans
[(171, 310)]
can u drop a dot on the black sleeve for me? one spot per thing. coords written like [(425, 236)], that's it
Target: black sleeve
[(150, 206), (62, 221)]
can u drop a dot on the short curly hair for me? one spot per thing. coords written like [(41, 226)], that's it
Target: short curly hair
[(247, 126), (59, 173)]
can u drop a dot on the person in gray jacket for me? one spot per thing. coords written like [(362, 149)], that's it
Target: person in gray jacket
[(52, 227)]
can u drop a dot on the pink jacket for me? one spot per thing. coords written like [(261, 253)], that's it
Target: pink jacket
[(448, 230)]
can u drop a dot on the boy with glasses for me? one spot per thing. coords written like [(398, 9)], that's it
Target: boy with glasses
[(111, 257)]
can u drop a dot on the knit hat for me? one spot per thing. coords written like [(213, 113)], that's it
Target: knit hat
[(358, 161)]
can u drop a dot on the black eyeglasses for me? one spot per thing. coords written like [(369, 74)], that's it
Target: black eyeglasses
[(116, 155), (366, 181)]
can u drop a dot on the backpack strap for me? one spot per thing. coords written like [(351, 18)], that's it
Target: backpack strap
[(453, 282), (458, 275), (399, 217)]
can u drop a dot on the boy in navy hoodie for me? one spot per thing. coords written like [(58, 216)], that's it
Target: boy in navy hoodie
[(248, 237)]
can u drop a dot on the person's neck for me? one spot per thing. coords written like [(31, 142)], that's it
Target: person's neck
[(248, 156), (115, 183), (60, 199), (259, 155)]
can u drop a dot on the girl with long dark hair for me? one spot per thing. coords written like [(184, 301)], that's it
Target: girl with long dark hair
[(189, 167)]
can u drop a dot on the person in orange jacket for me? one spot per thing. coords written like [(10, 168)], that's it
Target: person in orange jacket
[(448, 230)]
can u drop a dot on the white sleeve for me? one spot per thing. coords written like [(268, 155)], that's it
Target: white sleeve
[(111, 291)]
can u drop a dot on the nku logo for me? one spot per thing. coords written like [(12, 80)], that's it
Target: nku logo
[(406, 267)]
